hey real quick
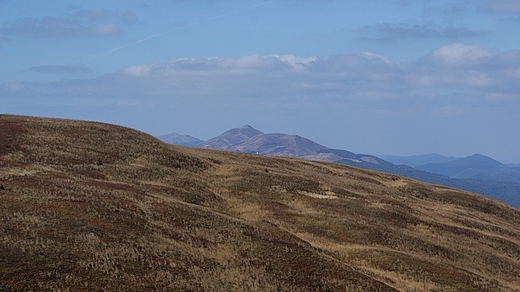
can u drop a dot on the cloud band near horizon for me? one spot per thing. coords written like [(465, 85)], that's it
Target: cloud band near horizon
[(447, 94)]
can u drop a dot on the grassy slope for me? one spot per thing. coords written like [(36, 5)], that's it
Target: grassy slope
[(89, 206)]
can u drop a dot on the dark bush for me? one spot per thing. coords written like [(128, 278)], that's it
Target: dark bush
[(193, 199)]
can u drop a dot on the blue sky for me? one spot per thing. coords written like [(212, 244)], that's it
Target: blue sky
[(373, 76)]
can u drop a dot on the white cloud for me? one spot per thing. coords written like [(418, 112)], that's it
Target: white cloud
[(459, 71), (105, 29), (377, 57), (298, 63), (138, 71), (471, 70), (459, 54)]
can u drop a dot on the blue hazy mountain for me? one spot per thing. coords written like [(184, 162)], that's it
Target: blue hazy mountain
[(515, 166), (229, 140), (416, 160), (177, 139), (250, 140), (476, 166)]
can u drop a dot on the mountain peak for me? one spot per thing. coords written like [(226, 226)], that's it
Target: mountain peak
[(481, 159), (245, 130), (228, 139), (246, 126), (479, 156)]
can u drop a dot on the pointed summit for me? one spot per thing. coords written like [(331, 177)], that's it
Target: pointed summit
[(246, 127), (228, 140), (246, 130)]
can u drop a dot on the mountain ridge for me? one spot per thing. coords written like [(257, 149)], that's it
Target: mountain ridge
[(229, 139), (476, 166), (416, 160), (250, 140), (178, 139)]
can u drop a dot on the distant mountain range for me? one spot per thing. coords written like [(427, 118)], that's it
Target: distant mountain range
[(249, 140), (183, 140), (416, 160), (514, 166), (475, 167), (476, 173)]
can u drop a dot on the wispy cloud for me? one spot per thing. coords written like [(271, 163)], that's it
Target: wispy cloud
[(82, 23), (68, 68), (59, 27), (450, 10), (393, 32), (129, 17), (502, 6), (92, 15), (180, 27)]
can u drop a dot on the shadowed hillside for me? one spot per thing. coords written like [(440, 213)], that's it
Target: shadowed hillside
[(89, 206)]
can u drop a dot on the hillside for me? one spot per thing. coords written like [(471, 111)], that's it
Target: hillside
[(504, 191), (89, 207)]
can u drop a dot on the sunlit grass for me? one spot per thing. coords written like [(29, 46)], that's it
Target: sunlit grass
[(154, 217)]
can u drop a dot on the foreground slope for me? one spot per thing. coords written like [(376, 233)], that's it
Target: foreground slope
[(89, 206)]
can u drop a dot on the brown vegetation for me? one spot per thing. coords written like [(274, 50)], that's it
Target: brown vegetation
[(90, 206)]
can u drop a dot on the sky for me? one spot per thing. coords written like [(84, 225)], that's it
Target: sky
[(402, 77)]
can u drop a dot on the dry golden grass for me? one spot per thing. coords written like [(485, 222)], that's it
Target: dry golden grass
[(90, 206)]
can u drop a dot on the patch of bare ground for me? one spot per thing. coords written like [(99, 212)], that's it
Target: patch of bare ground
[(90, 206)]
